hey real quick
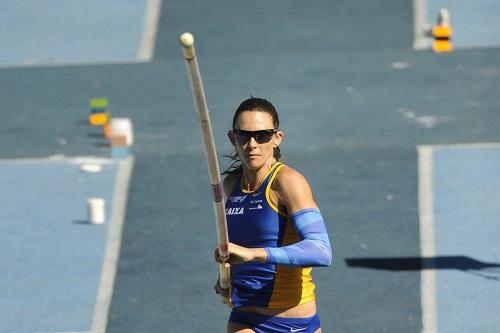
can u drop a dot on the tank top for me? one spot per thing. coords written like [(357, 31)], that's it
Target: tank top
[(254, 221)]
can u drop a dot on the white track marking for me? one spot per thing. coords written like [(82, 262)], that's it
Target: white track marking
[(74, 63), (420, 25), (151, 20), (113, 242), (428, 275), (484, 145), (64, 332), (61, 158)]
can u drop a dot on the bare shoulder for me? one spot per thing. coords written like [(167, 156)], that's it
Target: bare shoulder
[(293, 189), (287, 176), (289, 182)]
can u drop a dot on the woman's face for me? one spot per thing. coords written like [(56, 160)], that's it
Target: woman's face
[(255, 155)]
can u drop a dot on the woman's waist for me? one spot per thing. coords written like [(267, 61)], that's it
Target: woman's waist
[(255, 275), (299, 311)]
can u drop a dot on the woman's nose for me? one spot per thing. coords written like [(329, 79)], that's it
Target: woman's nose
[(252, 142)]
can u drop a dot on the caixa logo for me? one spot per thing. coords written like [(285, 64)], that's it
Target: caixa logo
[(235, 211)]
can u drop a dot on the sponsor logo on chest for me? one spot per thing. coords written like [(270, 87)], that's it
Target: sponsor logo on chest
[(235, 211)]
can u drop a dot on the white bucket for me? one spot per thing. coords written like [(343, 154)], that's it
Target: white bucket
[(122, 127), (96, 210)]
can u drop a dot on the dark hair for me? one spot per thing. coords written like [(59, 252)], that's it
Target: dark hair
[(259, 105)]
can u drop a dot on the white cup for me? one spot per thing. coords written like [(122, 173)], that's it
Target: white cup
[(96, 210), (122, 127)]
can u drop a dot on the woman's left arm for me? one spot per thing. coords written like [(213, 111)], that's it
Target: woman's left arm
[(314, 247)]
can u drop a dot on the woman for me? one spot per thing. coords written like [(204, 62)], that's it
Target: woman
[(275, 229)]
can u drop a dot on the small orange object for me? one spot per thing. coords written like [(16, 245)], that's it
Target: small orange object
[(106, 130), (442, 35), (442, 32), (98, 119)]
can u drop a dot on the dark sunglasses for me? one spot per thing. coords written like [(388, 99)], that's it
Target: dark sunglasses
[(261, 136)]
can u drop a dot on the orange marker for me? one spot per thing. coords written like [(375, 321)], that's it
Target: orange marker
[(442, 33), (98, 119)]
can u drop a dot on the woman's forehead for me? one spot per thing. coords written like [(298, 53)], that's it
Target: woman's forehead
[(258, 119)]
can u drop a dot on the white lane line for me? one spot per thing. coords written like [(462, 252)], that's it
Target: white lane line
[(151, 20), (65, 332), (73, 63), (480, 145), (421, 41), (59, 158), (113, 243), (427, 248)]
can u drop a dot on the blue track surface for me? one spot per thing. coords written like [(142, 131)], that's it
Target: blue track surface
[(466, 188), (51, 256), (61, 32)]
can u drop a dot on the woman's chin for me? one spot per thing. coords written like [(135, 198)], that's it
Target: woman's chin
[(254, 163)]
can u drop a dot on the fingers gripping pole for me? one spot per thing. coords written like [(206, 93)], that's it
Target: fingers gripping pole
[(188, 50)]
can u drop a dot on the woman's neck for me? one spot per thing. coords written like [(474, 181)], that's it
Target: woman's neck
[(251, 179)]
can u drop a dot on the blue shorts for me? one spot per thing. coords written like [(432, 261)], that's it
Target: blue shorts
[(267, 324)]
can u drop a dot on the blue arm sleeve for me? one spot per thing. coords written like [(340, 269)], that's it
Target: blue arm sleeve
[(314, 248)]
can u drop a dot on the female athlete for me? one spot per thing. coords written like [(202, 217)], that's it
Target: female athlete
[(276, 231)]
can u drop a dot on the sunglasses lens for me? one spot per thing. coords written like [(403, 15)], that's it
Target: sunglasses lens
[(243, 137), (263, 137)]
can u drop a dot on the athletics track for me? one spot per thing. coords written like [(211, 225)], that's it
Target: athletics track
[(399, 145)]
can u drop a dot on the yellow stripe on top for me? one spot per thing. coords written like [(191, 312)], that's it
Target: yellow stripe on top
[(292, 285), (268, 190)]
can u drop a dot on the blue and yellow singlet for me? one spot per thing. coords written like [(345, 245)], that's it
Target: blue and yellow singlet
[(254, 221)]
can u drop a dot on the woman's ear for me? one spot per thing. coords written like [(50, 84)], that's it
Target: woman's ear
[(231, 137), (278, 137)]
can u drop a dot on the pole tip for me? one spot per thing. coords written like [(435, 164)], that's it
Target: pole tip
[(186, 40)]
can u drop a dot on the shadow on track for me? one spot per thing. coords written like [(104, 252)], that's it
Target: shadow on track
[(486, 270)]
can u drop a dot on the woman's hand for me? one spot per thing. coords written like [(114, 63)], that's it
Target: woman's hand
[(224, 293), (239, 254)]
